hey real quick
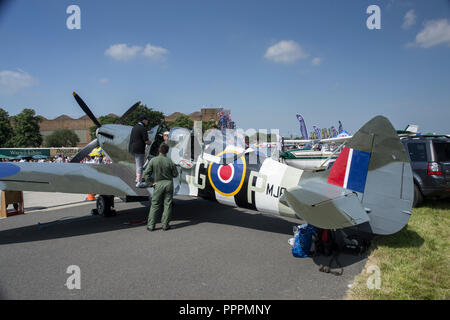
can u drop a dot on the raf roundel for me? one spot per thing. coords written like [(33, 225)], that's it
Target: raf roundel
[(225, 173), (8, 169), (227, 179)]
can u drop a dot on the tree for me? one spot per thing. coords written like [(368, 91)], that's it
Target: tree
[(206, 125), (6, 130), (181, 121), (26, 130), (263, 137), (154, 118), (61, 138)]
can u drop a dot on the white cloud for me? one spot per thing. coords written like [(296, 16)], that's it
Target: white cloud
[(285, 51), (316, 61), (103, 80), (122, 51), (409, 19), (435, 32), (12, 81), (154, 52)]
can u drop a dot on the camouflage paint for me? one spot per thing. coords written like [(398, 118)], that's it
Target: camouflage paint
[(266, 186)]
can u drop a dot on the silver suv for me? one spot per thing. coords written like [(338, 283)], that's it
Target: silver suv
[(430, 162)]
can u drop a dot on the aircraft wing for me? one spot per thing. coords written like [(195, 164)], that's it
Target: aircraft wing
[(106, 179), (297, 141), (336, 139), (328, 140)]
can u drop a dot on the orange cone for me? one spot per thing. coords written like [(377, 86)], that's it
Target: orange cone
[(91, 197)]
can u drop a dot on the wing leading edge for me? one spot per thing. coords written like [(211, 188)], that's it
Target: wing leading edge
[(111, 179)]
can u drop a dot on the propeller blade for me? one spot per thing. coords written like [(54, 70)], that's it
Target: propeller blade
[(128, 112), (86, 109), (85, 151)]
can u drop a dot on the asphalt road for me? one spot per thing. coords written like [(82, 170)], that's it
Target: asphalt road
[(214, 252)]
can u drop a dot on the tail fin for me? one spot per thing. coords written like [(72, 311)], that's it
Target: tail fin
[(389, 190), (369, 184)]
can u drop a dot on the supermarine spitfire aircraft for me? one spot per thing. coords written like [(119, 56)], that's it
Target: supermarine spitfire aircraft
[(369, 187)]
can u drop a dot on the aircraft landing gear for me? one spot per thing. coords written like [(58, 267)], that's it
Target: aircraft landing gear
[(104, 204)]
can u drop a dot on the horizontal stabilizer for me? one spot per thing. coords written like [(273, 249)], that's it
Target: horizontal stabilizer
[(371, 181), (326, 206)]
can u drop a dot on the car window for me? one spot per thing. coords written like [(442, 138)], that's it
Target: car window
[(442, 151), (417, 152)]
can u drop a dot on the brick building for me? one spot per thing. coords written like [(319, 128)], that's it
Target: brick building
[(205, 114), (80, 126)]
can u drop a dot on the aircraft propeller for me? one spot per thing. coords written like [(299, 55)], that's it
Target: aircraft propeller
[(85, 151), (128, 112), (86, 110), (94, 143)]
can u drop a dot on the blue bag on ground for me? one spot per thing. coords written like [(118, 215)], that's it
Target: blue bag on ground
[(303, 241)]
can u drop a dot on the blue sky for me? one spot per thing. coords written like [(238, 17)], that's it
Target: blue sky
[(264, 60)]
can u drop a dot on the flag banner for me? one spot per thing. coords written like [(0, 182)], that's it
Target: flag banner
[(303, 130), (334, 132), (318, 133)]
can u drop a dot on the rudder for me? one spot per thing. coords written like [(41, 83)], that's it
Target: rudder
[(388, 191)]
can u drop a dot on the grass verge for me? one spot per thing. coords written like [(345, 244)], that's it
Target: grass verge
[(414, 262)]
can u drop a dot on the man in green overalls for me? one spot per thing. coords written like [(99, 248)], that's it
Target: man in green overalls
[(164, 171)]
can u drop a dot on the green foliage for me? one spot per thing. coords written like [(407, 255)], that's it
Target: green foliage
[(206, 125), (414, 261), (6, 130), (62, 138), (26, 130), (263, 137), (154, 118), (184, 122), (181, 121)]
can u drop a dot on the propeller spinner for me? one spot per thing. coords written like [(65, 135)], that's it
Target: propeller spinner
[(94, 143)]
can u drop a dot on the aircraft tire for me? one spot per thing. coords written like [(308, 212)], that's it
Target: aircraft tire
[(104, 204)]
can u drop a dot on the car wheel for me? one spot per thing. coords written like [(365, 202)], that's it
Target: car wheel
[(418, 198)]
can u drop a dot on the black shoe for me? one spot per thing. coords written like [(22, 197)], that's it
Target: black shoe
[(167, 228), (150, 229), (141, 185)]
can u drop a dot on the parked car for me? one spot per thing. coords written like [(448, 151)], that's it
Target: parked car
[(430, 162)]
